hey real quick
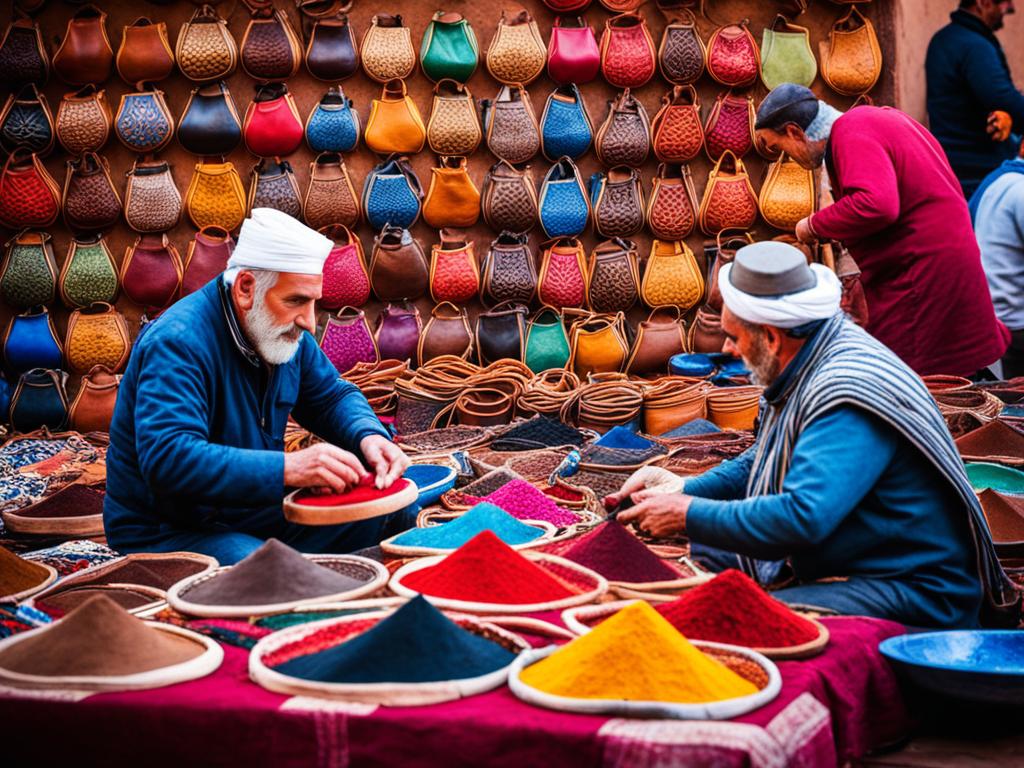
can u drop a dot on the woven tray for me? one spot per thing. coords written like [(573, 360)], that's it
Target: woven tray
[(51, 576), (306, 514), (154, 600), (340, 629), (389, 547), (95, 574), (79, 526)]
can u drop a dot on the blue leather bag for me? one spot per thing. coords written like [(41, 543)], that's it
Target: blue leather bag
[(143, 122), (30, 342), (39, 400), (392, 194), (333, 125), (565, 127), (564, 208)]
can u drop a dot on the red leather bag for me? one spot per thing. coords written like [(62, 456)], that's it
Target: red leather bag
[(207, 256), (730, 125), (628, 55), (272, 123), (563, 274), (729, 201), (29, 195), (573, 55), (151, 272), (672, 206), (733, 56), (454, 272), (676, 129), (346, 280)]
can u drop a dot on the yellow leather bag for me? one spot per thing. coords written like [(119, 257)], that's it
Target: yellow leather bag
[(787, 194), (452, 198), (395, 125), (386, 50), (97, 335), (851, 59), (453, 127), (598, 344), (672, 277), (517, 52), (215, 196)]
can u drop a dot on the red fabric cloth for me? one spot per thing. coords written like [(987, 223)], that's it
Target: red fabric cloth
[(901, 212)]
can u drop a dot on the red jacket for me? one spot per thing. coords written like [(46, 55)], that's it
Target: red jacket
[(900, 211)]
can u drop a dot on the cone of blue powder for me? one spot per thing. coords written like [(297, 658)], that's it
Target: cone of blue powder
[(481, 517)]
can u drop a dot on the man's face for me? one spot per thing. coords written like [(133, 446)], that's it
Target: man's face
[(793, 142), (275, 321), (993, 11), (752, 343)]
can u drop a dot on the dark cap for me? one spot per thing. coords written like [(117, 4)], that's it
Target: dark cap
[(771, 269), (787, 103)]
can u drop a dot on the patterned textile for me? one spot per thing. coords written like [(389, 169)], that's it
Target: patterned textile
[(72, 556), (538, 432), (15, 619)]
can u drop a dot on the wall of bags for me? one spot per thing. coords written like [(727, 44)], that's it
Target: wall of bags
[(405, 117)]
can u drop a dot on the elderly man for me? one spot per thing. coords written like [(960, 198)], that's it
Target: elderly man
[(853, 475), (900, 211), (196, 457)]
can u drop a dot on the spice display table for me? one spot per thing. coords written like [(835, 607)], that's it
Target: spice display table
[(832, 708)]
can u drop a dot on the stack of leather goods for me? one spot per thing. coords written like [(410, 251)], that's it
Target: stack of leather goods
[(734, 407), (605, 404), (547, 392), (377, 382), (672, 402)]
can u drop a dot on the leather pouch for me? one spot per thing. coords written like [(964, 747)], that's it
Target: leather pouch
[(563, 206), (511, 126), (614, 276), (573, 54), (851, 60), (449, 48), (730, 125), (565, 126), (89, 273), (500, 333), (677, 130), (452, 199), (786, 55), (509, 272), (617, 200), (347, 340), (453, 127), (143, 122), (394, 125), (151, 272), (398, 332), (787, 194), (205, 49), (209, 124), (90, 201), (26, 122), (660, 336), (333, 125), (97, 335), (398, 268), (215, 196), (726, 244), (272, 124), (509, 198), (85, 55), (152, 202), (346, 279), (29, 196), (92, 410), (563, 274), (733, 57), (706, 334), (83, 120), (547, 342), (672, 276), (672, 206), (31, 341), (145, 55), (270, 48), (681, 55), (28, 276), (330, 197), (206, 258), (454, 272), (598, 344), (729, 201), (23, 57), (628, 58), (387, 49), (447, 332), (39, 401), (273, 185), (624, 138), (517, 52), (392, 194), (331, 51)]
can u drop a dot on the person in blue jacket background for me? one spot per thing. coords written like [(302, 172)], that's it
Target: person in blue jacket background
[(196, 459)]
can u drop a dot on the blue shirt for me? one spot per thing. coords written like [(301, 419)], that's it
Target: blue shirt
[(999, 227), (197, 437)]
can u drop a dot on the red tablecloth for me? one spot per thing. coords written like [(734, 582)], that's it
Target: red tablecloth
[(831, 708)]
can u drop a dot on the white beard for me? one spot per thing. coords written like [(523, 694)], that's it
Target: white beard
[(272, 342)]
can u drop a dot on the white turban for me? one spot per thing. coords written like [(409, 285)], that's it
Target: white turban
[(790, 310), (273, 240)]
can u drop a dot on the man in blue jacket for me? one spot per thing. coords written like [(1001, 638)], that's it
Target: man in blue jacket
[(196, 459), (972, 102)]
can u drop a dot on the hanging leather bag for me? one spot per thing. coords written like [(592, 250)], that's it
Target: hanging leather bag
[(511, 126), (215, 196), (331, 51), (272, 185), (501, 333), (613, 276), (346, 279), (851, 60), (726, 244), (270, 48), (397, 333), (660, 336), (573, 53), (29, 273), (733, 57), (547, 342), (90, 201), (681, 54), (672, 206), (398, 268), (617, 200), (330, 197), (564, 209), (387, 49), (97, 335), (145, 54), (729, 201), (206, 50), (598, 344), (83, 120), (563, 274), (152, 202), (624, 138), (23, 57), (508, 272), (29, 196), (509, 198), (26, 122), (143, 122), (454, 272), (787, 194), (88, 274), (151, 272), (786, 55), (447, 333), (209, 124), (671, 276), (730, 125), (85, 55), (92, 410), (565, 126), (394, 125), (628, 58), (333, 125), (39, 401), (453, 127), (678, 134), (347, 340), (31, 341), (392, 194), (452, 198), (449, 48), (272, 124), (206, 258), (517, 52)]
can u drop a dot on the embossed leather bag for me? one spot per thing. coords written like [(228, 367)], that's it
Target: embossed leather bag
[(97, 335), (23, 57), (394, 125), (26, 122), (563, 274), (346, 279), (454, 272), (733, 57), (614, 276), (330, 197), (508, 272), (209, 124), (143, 122), (215, 196), (93, 407), (677, 131), (270, 48), (333, 124), (511, 126), (273, 185), (729, 201), (145, 54), (29, 196), (452, 199), (85, 55), (617, 200), (786, 55), (547, 342), (205, 49), (851, 60), (730, 125), (672, 206), (628, 58), (681, 55), (29, 273), (517, 52), (387, 49), (39, 401), (151, 272), (573, 53), (509, 198), (598, 344), (660, 336), (398, 268), (31, 341), (672, 276), (447, 333), (563, 207), (347, 340), (206, 258), (706, 334), (272, 124), (787, 194), (152, 202), (397, 332), (83, 120), (90, 201), (449, 48), (624, 138), (453, 127), (565, 126), (392, 194), (89, 273), (501, 333), (331, 51)]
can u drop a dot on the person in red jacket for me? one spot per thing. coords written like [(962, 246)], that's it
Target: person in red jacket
[(900, 211)]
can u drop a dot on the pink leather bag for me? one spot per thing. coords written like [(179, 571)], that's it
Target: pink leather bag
[(573, 55), (346, 281)]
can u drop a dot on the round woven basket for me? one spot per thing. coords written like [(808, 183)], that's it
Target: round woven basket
[(154, 600), (336, 631), (308, 514), (389, 547), (51, 576), (95, 574)]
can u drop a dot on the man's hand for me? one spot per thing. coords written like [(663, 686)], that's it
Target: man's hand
[(660, 516), (999, 126), (804, 233), (644, 483), (323, 466), (387, 460)]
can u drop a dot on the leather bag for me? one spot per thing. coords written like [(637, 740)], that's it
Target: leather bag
[(272, 185), (517, 52), (397, 332), (787, 195), (90, 201), (23, 57), (617, 200), (272, 123), (565, 126), (672, 276), (39, 401), (447, 332), (346, 279), (564, 209), (270, 49), (660, 336), (567, 6), (672, 206), (678, 134), (614, 276), (387, 49), (729, 201), (628, 58), (598, 344), (207, 256), (452, 199), (152, 202), (88, 274), (501, 333), (394, 125), (209, 124), (85, 55), (83, 120), (205, 49), (508, 272), (547, 342), (449, 48), (28, 276), (215, 196), (330, 196), (573, 53), (347, 340), (453, 127), (733, 57), (97, 335), (392, 194), (851, 60), (624, 137), (145, 54), (681, 54), (151, 272), (511, 126), (706, 334), (563, 274), (92, 410), (726, 244), (143, 122), (786, 55), (398, 268), (333, 124), (30, 341), (332, 53), (454, 272), (26, 122), (730, 125), (509, 198), (29, 196)]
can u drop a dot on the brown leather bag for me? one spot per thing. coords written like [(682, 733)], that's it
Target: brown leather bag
[(618, 202), (97, 335), (83, 120), (660, 336), (273, 185), (152, 202), (93, 407), (510, 125), (509, 198), (614, 276), (90, 202), (624, 138), (509, 272), (206, 50), (398, 267), (447, 333), (331, 53), (330, 196), (145, 54), (23, 57), (270, 48), (85, 55)]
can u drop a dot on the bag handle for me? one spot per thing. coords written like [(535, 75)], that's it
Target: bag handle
[(436, 311), (392, 92)]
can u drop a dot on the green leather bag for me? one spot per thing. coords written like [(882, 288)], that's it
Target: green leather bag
[(89, 274), (29, 272), (449, 48), (547, 343), (786, 55)]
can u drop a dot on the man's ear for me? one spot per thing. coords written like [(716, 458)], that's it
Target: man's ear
[(795, 133), (244, 290), (774, 338)]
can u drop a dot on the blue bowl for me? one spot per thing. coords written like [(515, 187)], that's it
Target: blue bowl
[(432, 480), (691, 364), (984, 666)]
